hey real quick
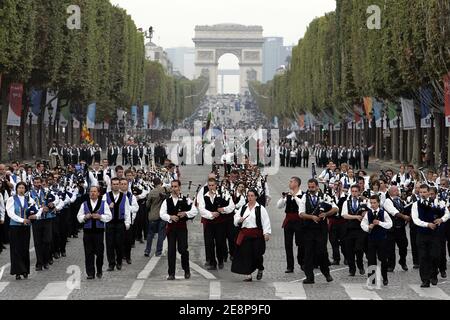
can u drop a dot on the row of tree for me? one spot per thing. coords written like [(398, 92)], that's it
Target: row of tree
[(102, 61), (359, 51)]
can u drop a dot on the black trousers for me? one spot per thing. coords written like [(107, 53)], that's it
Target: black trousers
[(230, 236), (139, 223), (355, 241), (20, 249), (293, 162), (115, 238), (294, 230), (94, 248), (429, 251), (366, 162), (397, 236), (306, 162), (128, 242), (63, 229), (413, 237), (177, 238), (377, 249), (73, 221), (207, 241), (42, 237), (337, 241), (56, 236), (282, 161), (215, 235), (316, 251)]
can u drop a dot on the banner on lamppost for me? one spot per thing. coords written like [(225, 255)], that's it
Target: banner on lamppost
[(134, 115), (368, 106), (145, 116), (377, 109), (76, 123), (447, 99), (15, 104), (301, 122), (426, 96), (409, 119), (64, 114), (392, 115), (36, 101), (90, 120), (51, 101)]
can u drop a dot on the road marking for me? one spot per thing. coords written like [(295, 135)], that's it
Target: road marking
[(54, 291), (360, 292), (203, 272), (214, 290), (433, 292), (135, 289), (319, 274), (145, 273), (3, 285), (289, 291)]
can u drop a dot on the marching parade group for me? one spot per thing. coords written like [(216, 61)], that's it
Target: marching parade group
[(358, 215)]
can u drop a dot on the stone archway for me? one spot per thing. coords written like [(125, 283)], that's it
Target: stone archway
[(245, 42)]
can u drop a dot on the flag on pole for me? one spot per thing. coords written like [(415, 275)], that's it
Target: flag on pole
[(392, 116), (64, 116), (426, 96), (15, 104), (91, 116), (86, 135), (377, 110), (134, 115), (145, 116), (368, 106), (36, 101), (447, 99), (409, 119)]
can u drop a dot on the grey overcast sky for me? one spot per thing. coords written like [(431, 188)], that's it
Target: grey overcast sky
[(174, 20)]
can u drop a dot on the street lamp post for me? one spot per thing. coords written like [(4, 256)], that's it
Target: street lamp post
[(50, 129), (432, 138), (399, 138), (382, 141)]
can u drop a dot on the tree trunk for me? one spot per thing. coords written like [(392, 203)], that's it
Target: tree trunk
[(437, 139), (416, 157), (394, 144), (4, 117)]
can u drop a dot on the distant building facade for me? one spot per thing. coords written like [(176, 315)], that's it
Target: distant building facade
[(156, 53), (275, 56)]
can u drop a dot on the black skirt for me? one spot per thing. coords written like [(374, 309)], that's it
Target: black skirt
[(19, 237), (249, 256)]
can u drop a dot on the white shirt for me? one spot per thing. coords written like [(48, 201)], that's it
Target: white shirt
[(105, 217), (302, 206), (12, 213), (390, 208), (166, 217), (250, 219), (345, 206), (423, 224), (281, 204), (127, 208), (208, 214), (2, 208), (387, 224)]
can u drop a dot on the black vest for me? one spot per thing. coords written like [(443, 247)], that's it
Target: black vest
[(116, 210), (291, 205), (353, 224), (257, 214)]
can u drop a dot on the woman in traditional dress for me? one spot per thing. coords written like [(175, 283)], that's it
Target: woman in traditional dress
[(254, 223), (21, 210)]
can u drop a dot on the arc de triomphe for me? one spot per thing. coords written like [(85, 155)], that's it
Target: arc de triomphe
[(245, 42)]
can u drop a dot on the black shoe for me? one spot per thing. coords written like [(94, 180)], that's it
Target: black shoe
[(443, 275), (416, 266), (335, 263), (220, 266), (362, 271), (158, 254), (259, 275), (63, 254), (404, 267), (46, 266), (187, 275), (329, 278), (141, 241), (390, 270), (171, 278), (75, 236), (308, 281), (25, 275), (133, 246), (39, 268), (110, 268), (225, 259), (385, 282), (129, 261), (119, 267), (206, 264), (302, 267), (352, 273), (50, 262), (90, 277), (434, 281), (99, 275), (289, 271), (56, 256), (425, 284), (345, 262), (231, 258), (146, 255), (212, 268), (18, 277)]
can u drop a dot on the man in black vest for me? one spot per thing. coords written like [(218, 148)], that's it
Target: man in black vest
[(213, 207), (292, 224), (428, 217), (395, 207), (353, 211), (314, 209), (94, 213), (177, 211), (115, 229)]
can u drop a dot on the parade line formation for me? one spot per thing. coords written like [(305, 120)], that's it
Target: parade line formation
[(360, 216)]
